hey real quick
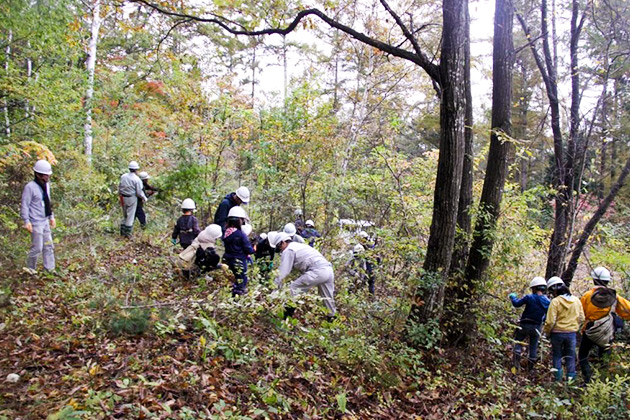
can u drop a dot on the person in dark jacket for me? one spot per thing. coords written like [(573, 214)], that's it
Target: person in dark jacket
[(240, 196), (187, 227), (148, 191), (536, 305), (309, 232), (237, 249), (264, 255)]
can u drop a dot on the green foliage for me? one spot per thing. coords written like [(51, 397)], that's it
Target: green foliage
[(134, 321)]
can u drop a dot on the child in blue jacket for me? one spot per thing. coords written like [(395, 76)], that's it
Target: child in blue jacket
[(237, 249), (536, 305)]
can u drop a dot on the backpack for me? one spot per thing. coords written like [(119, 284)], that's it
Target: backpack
[(601, 331), (207, 259)]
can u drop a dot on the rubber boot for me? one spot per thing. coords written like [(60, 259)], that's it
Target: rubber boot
[(571, 377), (558, 375)]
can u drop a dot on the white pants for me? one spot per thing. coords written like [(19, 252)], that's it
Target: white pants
[(41, 242), (324, 278), (129, 210)]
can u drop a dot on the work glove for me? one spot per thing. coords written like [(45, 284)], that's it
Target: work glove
[(174, 241), (512, 295)]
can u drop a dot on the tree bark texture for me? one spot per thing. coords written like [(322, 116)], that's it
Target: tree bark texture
[(91, 67), (430, 298)]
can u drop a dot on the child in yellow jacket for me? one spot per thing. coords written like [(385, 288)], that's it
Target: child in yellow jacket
[(565, 316)]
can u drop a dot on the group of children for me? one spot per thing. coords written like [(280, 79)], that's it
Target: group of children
[(596, 316), (199, 247)]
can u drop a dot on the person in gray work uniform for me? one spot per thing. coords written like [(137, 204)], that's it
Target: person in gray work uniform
[(315, 269), (130, 190), (36, 212)]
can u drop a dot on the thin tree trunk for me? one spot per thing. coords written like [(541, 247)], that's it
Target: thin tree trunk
[(91, 67), (5, 104), (567, 275)]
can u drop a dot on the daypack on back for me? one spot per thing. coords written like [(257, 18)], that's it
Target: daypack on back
[(601, 331)]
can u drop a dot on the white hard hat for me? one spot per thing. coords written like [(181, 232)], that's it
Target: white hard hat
[(42, 167), (363, 234), (358, 249), (298, 212), (188, 204), (237, 211), (553, 281), (537, 281), (134, 165), (289, 229), (247, 229), (309, 222), (243, 194), (263, 236), (214, 231), (144, 175), (276, 237), (601, 273)]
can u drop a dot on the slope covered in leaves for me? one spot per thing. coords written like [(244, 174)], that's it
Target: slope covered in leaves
[(114, 335)]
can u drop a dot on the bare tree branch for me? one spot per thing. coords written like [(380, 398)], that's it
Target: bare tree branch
[(421, 60)]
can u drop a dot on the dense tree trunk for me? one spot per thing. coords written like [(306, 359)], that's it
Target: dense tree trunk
[(456, 288), (429, 299), (497, 167), (91, 67)]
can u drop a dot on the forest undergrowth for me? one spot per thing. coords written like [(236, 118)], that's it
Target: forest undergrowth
[(115, 335)]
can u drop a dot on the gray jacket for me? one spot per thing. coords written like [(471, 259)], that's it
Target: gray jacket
[(131, 185), (32, 209), (302, 257)]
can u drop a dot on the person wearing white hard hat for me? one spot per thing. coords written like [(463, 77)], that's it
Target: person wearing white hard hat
[(563, 320), (316, 270), (357, 268), (240, 196), (310, 233), (264, 255), (602, 307), (290, 230), (130, 191), (187, 227), (201, 256), (238, 248), (37, 215), (529, 329), (148, 191)]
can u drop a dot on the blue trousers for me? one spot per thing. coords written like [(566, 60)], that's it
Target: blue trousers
[(526, 332), (563, 348), (239, 268)]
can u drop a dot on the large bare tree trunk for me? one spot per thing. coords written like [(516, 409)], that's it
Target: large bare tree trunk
[(496, 170), (91, 68), (429, 299)]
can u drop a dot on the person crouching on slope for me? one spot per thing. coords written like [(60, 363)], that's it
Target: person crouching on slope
[(564, 319), (237, 248), (315, 269), (536, 305), (187, 226)]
